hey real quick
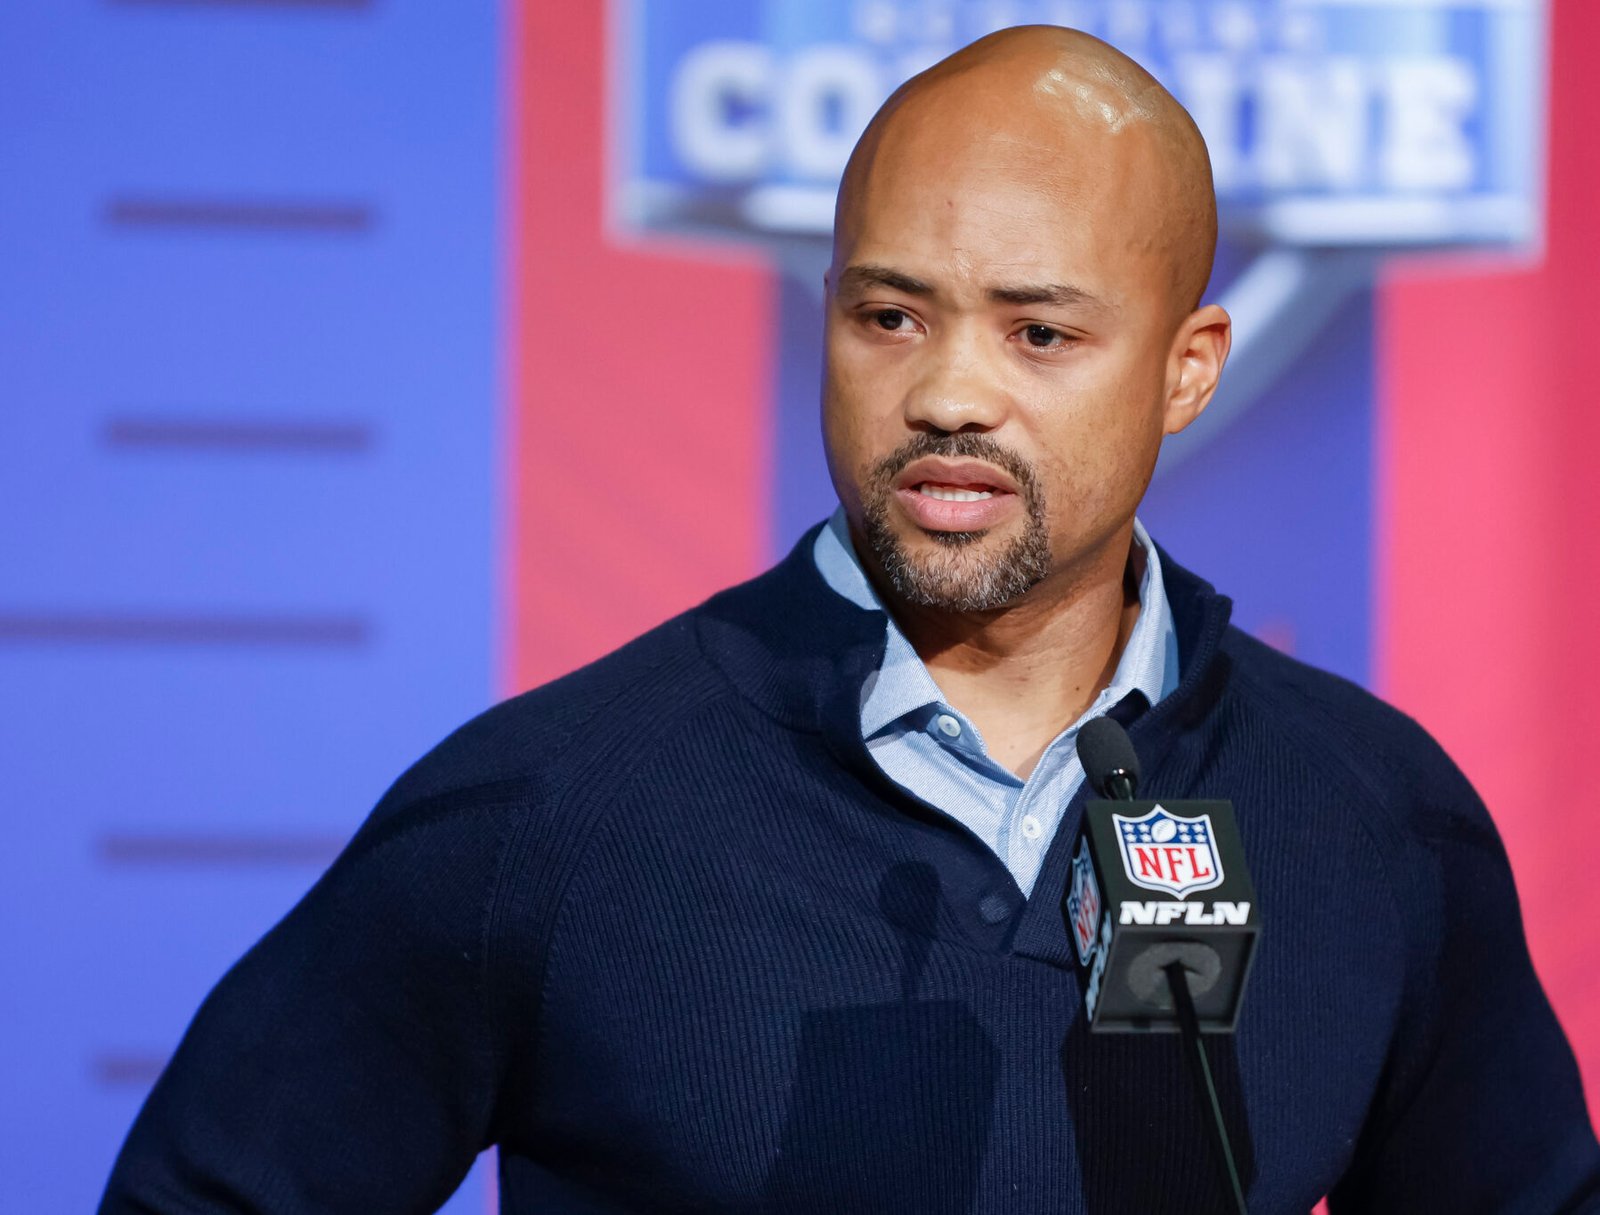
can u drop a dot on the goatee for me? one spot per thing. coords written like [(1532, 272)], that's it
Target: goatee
[(964, 576)]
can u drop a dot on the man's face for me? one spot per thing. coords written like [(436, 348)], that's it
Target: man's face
[(999, 327)]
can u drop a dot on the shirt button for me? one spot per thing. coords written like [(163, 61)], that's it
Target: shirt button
[(994, 908), (949, 726), (1032, 829)]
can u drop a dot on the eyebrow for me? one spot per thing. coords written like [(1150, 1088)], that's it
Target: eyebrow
[(858, 278), (1062, 294)]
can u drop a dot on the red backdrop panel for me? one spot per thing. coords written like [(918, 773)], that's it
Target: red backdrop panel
[(638, 434), (1490, 561)]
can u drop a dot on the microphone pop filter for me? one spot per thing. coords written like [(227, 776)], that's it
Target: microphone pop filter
[(1106, 751)]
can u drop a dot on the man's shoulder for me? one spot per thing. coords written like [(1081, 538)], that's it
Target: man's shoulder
[(1298, 690), (759, 642), (1348, 734), (1328, 721), (604, 711)]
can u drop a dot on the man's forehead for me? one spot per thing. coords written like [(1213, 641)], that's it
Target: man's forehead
[(987, 231), (1038, 136), (1003, 190), (1017, 134)]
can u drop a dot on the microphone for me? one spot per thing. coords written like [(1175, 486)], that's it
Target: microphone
[(1155, 883), (1109, 760), (1167, 964)]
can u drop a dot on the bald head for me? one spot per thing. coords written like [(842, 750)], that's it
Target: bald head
[(1066, 113)]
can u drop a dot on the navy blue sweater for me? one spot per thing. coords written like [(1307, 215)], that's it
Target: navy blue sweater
[(663, 932)]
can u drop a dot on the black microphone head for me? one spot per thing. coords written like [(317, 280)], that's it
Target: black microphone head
[(1109, 760)]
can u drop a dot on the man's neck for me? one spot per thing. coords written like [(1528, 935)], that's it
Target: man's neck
[(1025, 672)]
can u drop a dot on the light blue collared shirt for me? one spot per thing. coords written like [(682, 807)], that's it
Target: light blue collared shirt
[(928, 747)]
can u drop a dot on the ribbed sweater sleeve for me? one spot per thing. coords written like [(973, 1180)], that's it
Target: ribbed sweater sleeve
[(1479, 1106), (351, 1060), (361, 1055), (1482, 1110)]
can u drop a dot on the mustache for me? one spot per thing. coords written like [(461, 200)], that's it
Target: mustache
[(959, 445)]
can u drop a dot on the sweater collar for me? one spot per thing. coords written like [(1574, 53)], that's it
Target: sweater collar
[(800, 652)]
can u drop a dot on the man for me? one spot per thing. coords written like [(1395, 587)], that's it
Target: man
[(762, 912)]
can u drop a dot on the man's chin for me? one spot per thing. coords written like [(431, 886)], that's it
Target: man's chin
[(958, 572)]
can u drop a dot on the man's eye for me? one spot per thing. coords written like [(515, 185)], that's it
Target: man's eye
[(1043, 336), (889, 319)]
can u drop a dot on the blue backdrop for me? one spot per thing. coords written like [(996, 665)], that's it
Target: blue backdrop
[(248, 500)]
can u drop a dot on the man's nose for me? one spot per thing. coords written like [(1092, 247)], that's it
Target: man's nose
[(958, 390)]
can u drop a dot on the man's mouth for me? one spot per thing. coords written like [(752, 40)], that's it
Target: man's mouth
[(955, 493), (957, 506)]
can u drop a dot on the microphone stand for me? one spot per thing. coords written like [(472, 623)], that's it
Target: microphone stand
[(1117, 767), (1205, 1086), (1120, 785)]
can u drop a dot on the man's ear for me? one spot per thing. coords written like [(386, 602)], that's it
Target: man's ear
[(1199, 350)]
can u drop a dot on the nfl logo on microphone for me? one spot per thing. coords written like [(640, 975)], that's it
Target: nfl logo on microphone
[(1168, 852), (1083, 904)]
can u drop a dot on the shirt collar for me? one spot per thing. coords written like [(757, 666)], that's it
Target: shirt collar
[(902, 685)]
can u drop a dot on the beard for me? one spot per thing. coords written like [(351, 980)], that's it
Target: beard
[(962, 574)]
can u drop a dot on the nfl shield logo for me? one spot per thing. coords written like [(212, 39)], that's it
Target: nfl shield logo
[(1168, 852), (1083, 904)]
